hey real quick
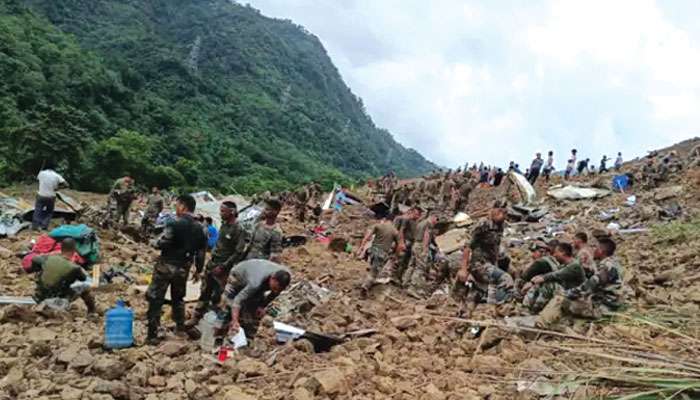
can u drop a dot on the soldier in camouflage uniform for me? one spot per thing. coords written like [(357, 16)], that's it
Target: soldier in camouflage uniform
[(266, 240), (120, 198), (421, 268), (406, 225), (386, 243), (648, 174), (599, 294), (584, 253), (229, 250), (154, 206), (479, 277), (463, 193), (301, 203), (543, 263), (545, 287), (180, 244)]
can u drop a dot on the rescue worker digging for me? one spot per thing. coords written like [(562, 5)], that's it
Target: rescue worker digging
[(386, 244), (252, 285)]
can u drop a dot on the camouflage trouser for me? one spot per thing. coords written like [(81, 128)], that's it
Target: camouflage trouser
[(119, 210), (560, 305), (165, 275), (148, 221), (403, 263), (538, 296), (377, 260), (418, 273), (300, 209), (487, 283), (211, 291)]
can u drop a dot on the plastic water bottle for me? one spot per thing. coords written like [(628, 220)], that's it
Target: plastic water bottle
[(119, 327), (208, 327)]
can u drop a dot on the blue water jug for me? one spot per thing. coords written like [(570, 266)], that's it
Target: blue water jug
[(119, 327)]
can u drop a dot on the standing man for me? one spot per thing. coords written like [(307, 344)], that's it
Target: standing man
[(154, 206), (385, 244), (302, 197), (120, 198), (49, 182), (266, 240), (406, 225), (549, 167), (229, 250), (603, 165), (535, 168), (422, 262), (479, 277), (182, 240), (618, 161)]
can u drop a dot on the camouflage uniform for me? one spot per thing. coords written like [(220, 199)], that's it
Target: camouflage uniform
[(153, 208), (420, 269), (648, 176), (486, 280), (463, 196), (265, 243), (120, 198), (567, 277), (541, 266), (180, 244), (386, 238), (599, 294), (407, 227), (585, 258), (229, 250), (302, 201)]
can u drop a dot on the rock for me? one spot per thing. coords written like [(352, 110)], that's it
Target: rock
[(304, 346), (250, 367), (236, 393), (157, 381), (39, 334), (486, 363), (5, 254), (301, 393), (405, 322), (83, 360), (65, 356), (331, 382), (70, 393), (116, 389), (17, 313), (13, 377), (433, 393), (385, 384), (190, 386), (109, 369), (490, 337), (173, 349), (39, 349)]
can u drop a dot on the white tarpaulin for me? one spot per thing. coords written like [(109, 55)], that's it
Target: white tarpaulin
[(524, 187), (208, 205), (576, 193)]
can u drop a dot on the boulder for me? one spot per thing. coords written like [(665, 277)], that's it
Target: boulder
[(116, 389), (39, 334), (331, 382), (250, 367), (236, 393), (173, 349)]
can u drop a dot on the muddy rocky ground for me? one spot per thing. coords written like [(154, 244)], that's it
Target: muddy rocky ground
[(418, 351)]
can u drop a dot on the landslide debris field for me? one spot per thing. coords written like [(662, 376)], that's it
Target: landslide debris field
[(413, 349)]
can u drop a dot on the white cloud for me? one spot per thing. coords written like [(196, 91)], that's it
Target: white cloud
[(493, 81)]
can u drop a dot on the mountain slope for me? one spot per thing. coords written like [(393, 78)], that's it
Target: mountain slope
[(211, 93)]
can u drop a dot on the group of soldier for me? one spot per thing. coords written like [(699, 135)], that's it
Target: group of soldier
[(658, 168), (575, 278)]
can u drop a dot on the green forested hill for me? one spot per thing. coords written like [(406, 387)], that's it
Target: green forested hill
[(203, 93)]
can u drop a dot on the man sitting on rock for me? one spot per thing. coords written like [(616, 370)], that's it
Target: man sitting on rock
[(601, 293), (252, 285), (543, 263), (56, 274), (545, 287)]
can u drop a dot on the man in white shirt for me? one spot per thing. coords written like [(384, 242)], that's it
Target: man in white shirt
[(49, 181)]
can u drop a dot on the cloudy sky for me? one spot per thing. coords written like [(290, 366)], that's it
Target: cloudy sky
[(467, 80)]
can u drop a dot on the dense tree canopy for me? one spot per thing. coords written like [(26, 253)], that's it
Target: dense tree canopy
[(184, 93)]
